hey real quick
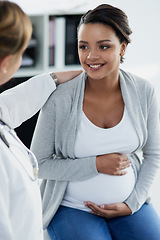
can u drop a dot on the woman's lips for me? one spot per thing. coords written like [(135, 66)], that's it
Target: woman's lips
[(96, 66)]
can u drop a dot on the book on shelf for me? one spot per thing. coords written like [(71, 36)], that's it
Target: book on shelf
[(51, 40), (28, 58), (71, 50)]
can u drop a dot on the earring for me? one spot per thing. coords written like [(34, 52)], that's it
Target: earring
[(122, 53), (4, 71)]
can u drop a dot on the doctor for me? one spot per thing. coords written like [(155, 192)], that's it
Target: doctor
[(20, 201)]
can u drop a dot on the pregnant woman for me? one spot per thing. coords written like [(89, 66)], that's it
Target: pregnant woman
[(87, 138)]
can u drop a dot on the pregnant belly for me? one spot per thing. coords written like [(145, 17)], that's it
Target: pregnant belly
[(102, 189)]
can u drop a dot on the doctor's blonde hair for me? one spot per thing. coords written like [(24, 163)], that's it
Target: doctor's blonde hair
[(15, 29)]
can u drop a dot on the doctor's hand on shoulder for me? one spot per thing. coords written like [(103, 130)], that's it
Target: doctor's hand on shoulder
[(67, 75)]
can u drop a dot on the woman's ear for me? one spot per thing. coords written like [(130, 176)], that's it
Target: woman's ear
[(4, 64), (123, 48)]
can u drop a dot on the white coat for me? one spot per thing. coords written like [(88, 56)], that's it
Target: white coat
[(20, 201)]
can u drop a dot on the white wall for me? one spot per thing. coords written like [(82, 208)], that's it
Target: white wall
[(143, 54)]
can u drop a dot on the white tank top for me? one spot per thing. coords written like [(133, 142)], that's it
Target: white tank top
[(92, 141)]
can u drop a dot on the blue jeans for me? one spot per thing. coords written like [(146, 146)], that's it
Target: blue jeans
[(73, 224)]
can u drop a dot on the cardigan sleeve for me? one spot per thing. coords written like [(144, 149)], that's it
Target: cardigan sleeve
[(44, 144), (23, 101), (151, 159)]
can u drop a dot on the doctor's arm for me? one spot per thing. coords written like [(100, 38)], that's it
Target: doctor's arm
[(23, 101)]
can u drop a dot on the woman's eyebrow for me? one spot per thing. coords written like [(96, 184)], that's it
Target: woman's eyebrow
[(81, 41), (101, 41), (105, 40)]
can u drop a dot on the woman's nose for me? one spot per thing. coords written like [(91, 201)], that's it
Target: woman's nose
[(92, 55)]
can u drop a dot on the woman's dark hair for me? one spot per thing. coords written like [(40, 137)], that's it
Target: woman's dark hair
[(110, 16)]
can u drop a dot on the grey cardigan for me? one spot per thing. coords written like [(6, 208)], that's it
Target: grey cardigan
[(55, 133)]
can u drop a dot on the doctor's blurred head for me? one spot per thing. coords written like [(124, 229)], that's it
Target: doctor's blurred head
[(15, 33)]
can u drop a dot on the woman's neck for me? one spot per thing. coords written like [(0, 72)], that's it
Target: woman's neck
[(105, 86)]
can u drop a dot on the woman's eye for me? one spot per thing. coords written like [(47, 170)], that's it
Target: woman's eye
[(104, 47), (83, 47)]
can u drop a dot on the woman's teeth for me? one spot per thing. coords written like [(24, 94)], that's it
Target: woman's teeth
[(95, 66)]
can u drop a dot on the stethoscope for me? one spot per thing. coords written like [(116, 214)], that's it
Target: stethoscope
[(17, 144)]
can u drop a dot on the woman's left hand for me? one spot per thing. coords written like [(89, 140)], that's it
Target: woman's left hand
[(109, 210)]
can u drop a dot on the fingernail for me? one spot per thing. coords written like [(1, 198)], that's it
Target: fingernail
[(102, 206)]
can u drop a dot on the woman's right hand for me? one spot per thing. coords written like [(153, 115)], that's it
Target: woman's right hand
[(112, 164)]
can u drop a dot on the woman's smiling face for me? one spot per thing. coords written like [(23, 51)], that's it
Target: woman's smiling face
[(99, 50)]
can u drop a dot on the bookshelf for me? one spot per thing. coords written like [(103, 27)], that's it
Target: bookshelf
[(53, 46)]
